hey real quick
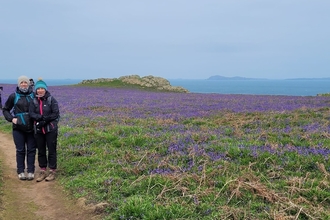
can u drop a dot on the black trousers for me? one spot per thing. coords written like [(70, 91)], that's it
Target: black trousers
[(25, 150), (47, 142)]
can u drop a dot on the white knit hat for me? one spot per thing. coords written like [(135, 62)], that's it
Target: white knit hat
[(22, 79)]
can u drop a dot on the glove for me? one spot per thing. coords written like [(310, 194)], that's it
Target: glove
[(39, 118), (45, 118), (40, 124)]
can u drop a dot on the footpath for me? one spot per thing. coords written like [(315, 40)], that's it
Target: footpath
[(30, 200)]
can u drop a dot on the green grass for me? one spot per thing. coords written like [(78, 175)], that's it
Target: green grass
[(113, 165), (106, 166), (1, 184), (5, 126), (116, 83)]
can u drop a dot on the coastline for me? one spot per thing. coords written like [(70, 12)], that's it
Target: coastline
[(299, 87)]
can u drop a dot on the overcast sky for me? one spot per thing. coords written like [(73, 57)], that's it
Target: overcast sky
[(188, 39)]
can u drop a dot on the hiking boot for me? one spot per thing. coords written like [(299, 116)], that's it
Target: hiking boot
[(42, 176), (30, 176), (22, 176), (51, 176)]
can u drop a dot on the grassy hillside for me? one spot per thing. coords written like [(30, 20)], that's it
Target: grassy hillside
[(116, 83), (153, 155), (147, 83)]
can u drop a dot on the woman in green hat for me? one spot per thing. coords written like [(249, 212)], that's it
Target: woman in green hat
[(45, 112)]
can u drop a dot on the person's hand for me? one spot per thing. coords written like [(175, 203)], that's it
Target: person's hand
[(14, 121), (39, 118), (40, 124), (45, 118)]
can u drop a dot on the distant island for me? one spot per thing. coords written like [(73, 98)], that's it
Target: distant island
[(218, 77)]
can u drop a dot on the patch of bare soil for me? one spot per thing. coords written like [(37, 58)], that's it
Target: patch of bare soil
[(30, 200)]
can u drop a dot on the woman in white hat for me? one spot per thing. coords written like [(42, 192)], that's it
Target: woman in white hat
[(16, 111)]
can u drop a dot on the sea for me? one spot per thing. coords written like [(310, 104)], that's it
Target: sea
[(290, 87)]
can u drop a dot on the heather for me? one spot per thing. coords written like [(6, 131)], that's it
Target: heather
[(161, 155)]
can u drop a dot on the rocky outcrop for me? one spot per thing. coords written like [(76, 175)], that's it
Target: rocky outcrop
[(153, 82)]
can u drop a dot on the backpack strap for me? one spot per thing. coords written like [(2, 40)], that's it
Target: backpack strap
[(18, 96), (21, 115), (31, 96), (49, 101)]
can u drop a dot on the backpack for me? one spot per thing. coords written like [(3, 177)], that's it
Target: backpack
[(23, 118), (19, 95), (49, 102)]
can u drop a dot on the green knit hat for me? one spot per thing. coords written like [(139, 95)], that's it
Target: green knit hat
[(40, 84)]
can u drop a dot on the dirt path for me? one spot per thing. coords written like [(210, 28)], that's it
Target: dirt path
[(30, 200)]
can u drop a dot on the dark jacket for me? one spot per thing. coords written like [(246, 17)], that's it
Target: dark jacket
[(0, 97), (45, 113), (20, 110)]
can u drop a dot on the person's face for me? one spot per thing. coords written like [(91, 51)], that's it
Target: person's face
[(41, 91), (24, 85)]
